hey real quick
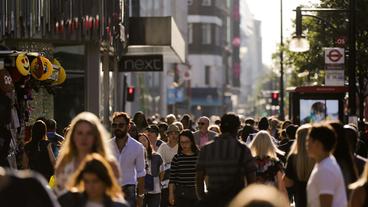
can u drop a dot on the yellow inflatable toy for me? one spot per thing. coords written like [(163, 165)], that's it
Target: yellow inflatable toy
[(61, 74), (41, 68), (22, 63)]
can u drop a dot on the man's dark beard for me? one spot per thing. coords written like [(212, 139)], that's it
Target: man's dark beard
[(119, 134)]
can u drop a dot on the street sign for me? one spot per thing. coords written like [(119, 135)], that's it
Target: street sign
[(334, 65), (334, 55), (140, 63), (334, 78)]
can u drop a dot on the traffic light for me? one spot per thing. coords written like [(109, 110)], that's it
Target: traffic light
[(130, 93), (275, 98)]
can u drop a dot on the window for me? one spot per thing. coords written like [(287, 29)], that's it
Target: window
[(217, 36), (206, 34), (190, 33), (207, 75), (206, 2)]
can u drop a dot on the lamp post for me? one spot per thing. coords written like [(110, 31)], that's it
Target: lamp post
[(281, 115), (300, 44)]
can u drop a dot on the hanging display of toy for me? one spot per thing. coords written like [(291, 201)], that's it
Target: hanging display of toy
[(22, 63), (41, 68), (61, 75)]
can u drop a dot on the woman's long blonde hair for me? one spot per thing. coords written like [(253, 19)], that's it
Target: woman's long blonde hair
[(69, 151), (262, 146), (303, 163), (95, 164)]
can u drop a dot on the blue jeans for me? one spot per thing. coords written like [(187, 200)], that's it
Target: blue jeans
[(129, 194), (152, 200)]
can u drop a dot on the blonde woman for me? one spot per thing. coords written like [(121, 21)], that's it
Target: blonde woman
[(359, 194), (93, 184), (85, 136), (269, 167), (299, 166)]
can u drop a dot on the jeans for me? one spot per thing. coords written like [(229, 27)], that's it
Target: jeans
[(152, 200), (164, 197), (129, 194)]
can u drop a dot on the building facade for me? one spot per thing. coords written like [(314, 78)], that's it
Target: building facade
[(208, 38)]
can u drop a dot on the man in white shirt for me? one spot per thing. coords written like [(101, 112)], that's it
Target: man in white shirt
[(326, 187), (168, 151), (130, 156)]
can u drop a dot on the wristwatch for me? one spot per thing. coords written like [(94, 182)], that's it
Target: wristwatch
[(140, 195)]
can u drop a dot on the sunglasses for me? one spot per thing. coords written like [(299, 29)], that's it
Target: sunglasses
[(118, 125), (201, 123)]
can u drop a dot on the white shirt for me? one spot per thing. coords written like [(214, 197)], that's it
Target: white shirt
[(167, 154), (326, 178), (130, 159)]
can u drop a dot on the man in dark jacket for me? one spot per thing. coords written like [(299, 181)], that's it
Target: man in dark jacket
[(227, 163)]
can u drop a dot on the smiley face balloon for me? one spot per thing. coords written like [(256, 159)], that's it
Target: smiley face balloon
[(22, 63), (41, 68), (61, 74)]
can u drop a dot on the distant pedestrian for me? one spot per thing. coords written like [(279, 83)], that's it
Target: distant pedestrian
[(202, 136), (140, 121), (55, 138), (153, 133), (38, 153)]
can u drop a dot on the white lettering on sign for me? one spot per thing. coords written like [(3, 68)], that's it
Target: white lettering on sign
[(144, 63)]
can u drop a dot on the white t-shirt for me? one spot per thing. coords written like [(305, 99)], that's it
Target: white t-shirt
[(326, 178), (167, 154)]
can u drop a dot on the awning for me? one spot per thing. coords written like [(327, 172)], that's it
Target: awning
[(156, 35)]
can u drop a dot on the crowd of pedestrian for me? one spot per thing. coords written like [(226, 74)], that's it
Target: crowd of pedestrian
[(176, 161)]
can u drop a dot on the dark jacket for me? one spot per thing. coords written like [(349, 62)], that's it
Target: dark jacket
[(76, 199)]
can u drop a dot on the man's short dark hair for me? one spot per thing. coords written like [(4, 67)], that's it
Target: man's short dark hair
[(230, 123), (125, 115), (154, 129), (263, 124), (325, 134), (50, 124)]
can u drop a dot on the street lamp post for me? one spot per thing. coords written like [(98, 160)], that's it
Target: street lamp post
[(281, 115)]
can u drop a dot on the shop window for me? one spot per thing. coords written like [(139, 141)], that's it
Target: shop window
[(207, 75), (217, 36), (206, 2), (206, 34), (190, 33)]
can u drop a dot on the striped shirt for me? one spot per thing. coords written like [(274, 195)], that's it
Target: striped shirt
[(183, 170)]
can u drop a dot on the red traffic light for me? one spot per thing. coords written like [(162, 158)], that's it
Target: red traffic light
[(130, 93), (131, 90), (275, 95)]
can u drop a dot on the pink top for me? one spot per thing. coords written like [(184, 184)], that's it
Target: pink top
[(203, 139)]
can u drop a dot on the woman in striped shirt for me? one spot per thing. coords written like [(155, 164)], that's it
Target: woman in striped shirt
[(183, 171)]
